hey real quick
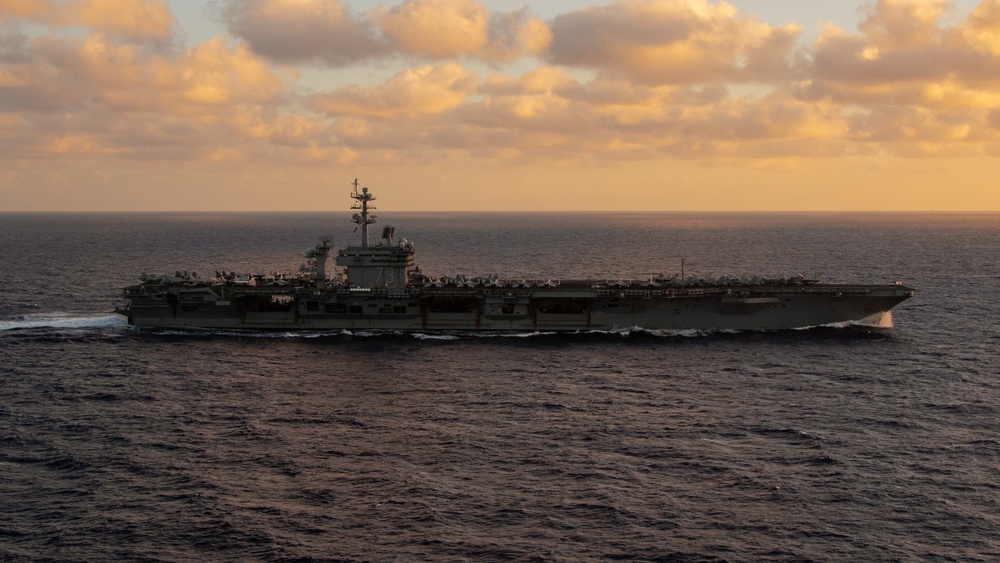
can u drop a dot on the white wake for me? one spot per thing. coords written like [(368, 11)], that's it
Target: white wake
[(61, 320)]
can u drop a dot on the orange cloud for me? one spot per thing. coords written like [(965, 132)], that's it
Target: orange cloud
[(95, 96), (916, 85), (24, 8), (137, 19), (437, 28), (982, 29), (547, 114), (660, 79), (673, 42), (905, 55), (411, 94), (77, 145), (610, 119), (903, 24), (450, 28), (134, 19), (65, 74), (295, 31), (213, 74), (516, 34), (283, 130), (326, 32)]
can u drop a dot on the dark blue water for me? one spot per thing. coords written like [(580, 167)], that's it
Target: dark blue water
[(129, 445)]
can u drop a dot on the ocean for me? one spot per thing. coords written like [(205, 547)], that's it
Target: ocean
[(121, 444)]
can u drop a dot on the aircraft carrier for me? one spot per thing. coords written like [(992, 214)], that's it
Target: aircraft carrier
[(380, 289)]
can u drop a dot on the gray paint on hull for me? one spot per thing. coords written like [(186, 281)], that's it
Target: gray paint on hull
[(702, 309)]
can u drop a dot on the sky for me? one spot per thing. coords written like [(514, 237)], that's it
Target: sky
[(676, 105)]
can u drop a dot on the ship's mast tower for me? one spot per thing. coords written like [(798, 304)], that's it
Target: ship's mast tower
[(385, 264), (363, 219)]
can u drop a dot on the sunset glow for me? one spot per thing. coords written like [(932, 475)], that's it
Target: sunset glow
[(492, 105)]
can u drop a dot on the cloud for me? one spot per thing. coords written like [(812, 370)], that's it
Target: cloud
[(25, 8), (328, 33), (673, 42), (411, 94), (547, 113), (549, 97), (903, 24), (214, 74), (452, 28), (516, 34), (910, 82), (905, 54), (982, 29), (299, 31), (95, 96), (437, 28), (134, 19), (13, 46), (668, 79), (535, 102), (69, 74)]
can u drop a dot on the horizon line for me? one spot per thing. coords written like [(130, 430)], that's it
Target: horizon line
[(529, 211)]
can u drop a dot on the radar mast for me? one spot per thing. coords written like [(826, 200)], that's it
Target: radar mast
[(363, 219)]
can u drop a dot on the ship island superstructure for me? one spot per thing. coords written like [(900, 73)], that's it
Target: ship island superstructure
[(380, 288)]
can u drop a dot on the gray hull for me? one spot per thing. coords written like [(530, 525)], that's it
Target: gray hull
[(568, 308)]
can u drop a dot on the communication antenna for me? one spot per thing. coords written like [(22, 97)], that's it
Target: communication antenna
[(363, 219)]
